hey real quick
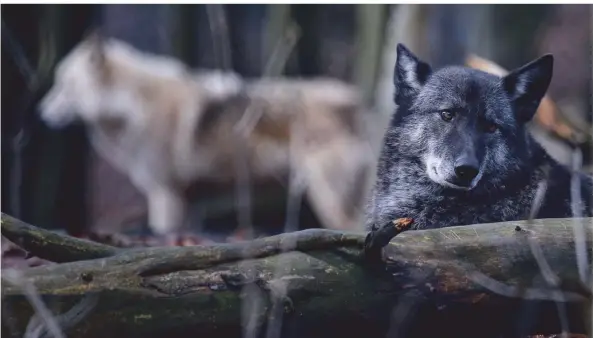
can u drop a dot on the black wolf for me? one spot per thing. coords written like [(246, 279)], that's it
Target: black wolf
[(458, 152)]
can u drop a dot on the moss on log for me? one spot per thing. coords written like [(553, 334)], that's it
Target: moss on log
[(480, 280)]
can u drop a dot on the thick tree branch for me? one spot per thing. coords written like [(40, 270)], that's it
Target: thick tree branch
[(52, 246)]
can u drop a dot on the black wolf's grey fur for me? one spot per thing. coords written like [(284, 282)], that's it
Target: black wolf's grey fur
[(456, 121)]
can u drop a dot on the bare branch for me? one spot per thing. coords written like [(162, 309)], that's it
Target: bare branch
[(41, 311)]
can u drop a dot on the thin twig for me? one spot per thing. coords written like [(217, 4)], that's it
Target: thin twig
[(20, 58), (245, 126), (274, 67), (220, 34), (549, 276), (576, 205), (14, 277), (524, 293), (242, 129), (66, 320)]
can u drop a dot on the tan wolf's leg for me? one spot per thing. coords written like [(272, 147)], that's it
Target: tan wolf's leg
[(166, 211)]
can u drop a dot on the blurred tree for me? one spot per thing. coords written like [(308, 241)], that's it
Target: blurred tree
[(53, 162), (16, 21), (567, 35)]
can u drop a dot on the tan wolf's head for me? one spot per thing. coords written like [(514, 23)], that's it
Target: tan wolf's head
[(80, 84), (107, 78)]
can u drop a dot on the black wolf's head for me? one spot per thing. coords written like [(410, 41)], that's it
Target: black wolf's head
[(464, 125)]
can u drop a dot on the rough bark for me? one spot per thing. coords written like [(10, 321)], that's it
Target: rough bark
[(480, 280)]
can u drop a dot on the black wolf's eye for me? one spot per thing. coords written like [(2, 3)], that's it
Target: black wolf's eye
[(490, 127), (447, 115)]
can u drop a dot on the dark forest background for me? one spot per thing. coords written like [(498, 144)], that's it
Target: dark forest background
[(53, 179)]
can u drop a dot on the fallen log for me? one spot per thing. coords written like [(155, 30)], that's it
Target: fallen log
[(480, 280)]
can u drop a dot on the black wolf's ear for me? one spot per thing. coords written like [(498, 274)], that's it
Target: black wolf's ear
[(527, 85), (409, 75)]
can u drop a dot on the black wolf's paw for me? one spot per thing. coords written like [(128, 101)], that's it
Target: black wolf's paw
[(236, 281), (377, 239)]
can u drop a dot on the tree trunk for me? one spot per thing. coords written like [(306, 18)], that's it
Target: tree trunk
[(479, 280)]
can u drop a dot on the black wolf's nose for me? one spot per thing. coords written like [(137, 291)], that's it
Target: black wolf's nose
[(466, 172)]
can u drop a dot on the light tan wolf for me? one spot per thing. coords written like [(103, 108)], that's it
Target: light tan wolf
[(166, 127)]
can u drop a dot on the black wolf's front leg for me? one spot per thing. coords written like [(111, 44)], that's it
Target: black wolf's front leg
[(377, 239)]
